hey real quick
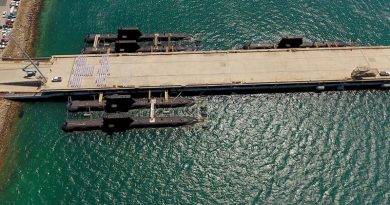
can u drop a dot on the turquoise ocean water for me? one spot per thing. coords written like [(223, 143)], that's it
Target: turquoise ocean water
[(308, 148)]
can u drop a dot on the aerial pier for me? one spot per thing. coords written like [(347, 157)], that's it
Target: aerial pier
[(200, 72)]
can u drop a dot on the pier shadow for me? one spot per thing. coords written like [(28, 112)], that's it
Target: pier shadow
[(34, 83)]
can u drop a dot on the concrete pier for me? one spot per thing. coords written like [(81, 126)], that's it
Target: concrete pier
[(196, 69)]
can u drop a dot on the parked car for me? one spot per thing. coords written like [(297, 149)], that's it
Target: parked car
[(12, 10), (56, 79), (11, 16), (4, 14), (7, 32), (384, 73), (2, 45)]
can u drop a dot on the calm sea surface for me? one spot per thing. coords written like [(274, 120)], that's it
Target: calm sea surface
[(310, 148)]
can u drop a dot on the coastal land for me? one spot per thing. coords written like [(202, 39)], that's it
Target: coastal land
[(25, 29), (24, 32)]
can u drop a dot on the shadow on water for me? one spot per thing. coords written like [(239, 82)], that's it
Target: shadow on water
[(259, 147)]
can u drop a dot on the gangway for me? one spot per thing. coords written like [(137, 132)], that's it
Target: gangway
[(100, 98), (96, 41), (152, 110)]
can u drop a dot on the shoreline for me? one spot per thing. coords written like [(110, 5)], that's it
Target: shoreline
[(25, 31), (9, 114)]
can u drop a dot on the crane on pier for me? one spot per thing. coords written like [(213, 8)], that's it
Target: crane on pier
[(29, 73)]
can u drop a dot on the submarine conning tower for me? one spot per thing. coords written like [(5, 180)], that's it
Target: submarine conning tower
[(131, 33), (117, 122), (290, 42), (118, 103)]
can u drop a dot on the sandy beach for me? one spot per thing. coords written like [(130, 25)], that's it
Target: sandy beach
[(24, 31)]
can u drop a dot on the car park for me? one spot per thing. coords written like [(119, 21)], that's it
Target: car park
[(10, 19)]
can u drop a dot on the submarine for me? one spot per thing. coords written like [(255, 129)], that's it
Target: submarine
[(131, 40), (120, 122), (297, 42), (138, 49), (113, 103), (138, 36)]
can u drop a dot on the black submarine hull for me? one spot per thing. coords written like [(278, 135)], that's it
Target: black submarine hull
[(297, 42), (109, 38), (132, 40), (147, 49), (98, 124), (139, 103)]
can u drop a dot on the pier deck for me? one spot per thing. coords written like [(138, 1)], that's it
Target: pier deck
[(158, 70)]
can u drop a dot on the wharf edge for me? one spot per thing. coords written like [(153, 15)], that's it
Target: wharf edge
[(207, 72)]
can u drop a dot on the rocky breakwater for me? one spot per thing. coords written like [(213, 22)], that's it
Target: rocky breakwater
[(9, 112)]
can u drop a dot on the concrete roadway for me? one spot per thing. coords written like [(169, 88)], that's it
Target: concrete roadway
[(207, 68)]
